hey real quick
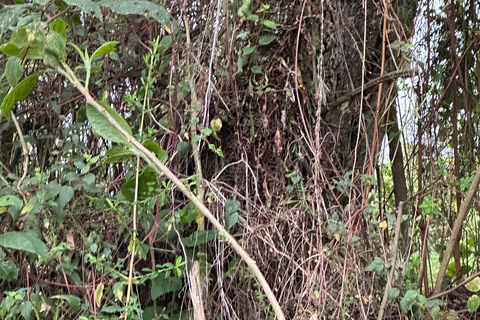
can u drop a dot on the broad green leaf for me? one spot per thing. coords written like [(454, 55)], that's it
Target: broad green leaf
[(60, 27), (20, 37), (66, 194), (9, 15), (248, 50), (19, 93), (474, 285), (118, 291), (13, 70), (2, 255), (14, 204), (147, 184), (87, 6), (376, 265), (23, 241), (393, 293), (104, 49), (270, 24), (117, 154), (144, 8), (252, 17), (257, 69), (103, 128), (411, 296), (99, 294), (74, 301), (182, 148), (26, 309), (198, 237), (473, 303), (162, 285), (10, 49), (264, 40), (55, 49), (154, 147), (71, 176), (8, 270), (231, 213)]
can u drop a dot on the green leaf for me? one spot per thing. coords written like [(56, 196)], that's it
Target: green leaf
[(473, 303), (103, 128), (9, 15), (26, 309), (87, 6), (66, 194), (393, 293), (71, 176), (13, 70), (118, 291), (198, 237), (264, 40), (252, 17), (8, 270), (270, 24), (104, 49), (55, 49), (376, 265), (231, 213), (60, 27), (154, 147), (117, 154), (147, 185), (411, 296), (257, 69), (162, 285), (20, 92), (144, 8), (474, 285), (14, 204), (99, 294), (182, 148), (74, 301), (23, 241), (248, 50)]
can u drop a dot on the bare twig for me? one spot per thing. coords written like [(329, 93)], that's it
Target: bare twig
[(394, 260), (25, 151)]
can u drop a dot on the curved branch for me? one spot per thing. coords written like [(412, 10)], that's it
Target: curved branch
[(151, 158)]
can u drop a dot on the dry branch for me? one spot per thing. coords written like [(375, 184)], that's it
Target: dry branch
[(151, 158)]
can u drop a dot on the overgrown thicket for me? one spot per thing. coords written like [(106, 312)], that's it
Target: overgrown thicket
[(278, 116)]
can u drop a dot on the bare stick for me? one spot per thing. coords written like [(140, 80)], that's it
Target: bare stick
[(25, 151), (151, 158), (394, 260), (457, 227)]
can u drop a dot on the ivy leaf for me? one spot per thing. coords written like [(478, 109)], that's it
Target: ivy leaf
[(23, 241), (103, 128), (270, 24), (474, 285), (473, 303), (26, 309), (231, 213), (13, 70), (377, 265), (264, 40)]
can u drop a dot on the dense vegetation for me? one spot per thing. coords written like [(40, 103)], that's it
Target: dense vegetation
[(239, 159)]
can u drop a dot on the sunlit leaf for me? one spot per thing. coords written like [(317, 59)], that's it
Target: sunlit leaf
[(23, 241)]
